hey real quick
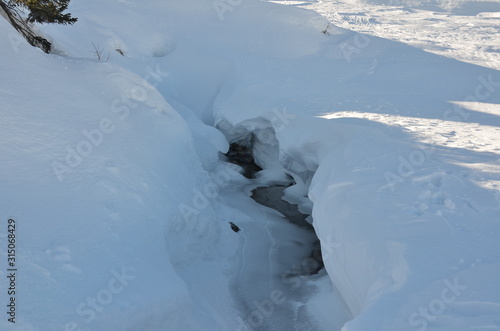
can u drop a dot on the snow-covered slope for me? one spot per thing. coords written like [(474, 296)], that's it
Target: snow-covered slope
[(94, 163), (409, 230), (466, 30), (120, 197)]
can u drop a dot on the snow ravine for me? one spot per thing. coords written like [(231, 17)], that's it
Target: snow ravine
[(384, 116)]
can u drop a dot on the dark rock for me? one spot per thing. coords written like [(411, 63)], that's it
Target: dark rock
[(242, 155), (234, 227)]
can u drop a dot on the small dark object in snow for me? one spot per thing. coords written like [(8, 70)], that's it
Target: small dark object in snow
[(234, 227)]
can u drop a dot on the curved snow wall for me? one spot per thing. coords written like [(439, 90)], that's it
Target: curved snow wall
[(340, 180), (309, 150)]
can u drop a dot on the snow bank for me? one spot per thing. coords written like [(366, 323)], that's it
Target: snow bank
[(408, 239), (95, 164), (408, 236), (404, 225)]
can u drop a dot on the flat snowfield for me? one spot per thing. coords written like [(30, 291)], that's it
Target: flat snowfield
[(458, 29), (120, 208)]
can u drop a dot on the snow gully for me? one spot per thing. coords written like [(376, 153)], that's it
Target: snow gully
[(271, 197)]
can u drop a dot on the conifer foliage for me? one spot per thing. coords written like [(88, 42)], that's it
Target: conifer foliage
[(45, 11), (38, 11)]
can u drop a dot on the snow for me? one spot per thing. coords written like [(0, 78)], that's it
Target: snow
[(386, 118), (78, 229), (463, 30)]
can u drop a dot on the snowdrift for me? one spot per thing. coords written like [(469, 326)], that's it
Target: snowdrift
[(96, 164)]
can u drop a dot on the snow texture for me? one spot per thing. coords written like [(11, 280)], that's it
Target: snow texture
[(113, 171)]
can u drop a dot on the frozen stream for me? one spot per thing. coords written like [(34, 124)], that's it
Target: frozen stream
[(279, 260)]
